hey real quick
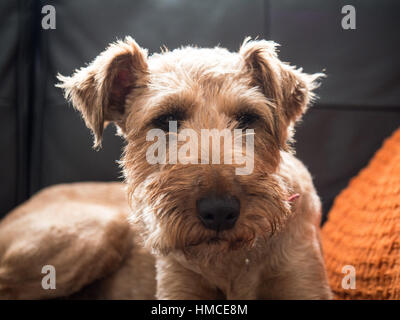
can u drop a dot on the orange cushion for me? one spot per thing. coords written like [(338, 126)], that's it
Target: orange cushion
[(363, 229)]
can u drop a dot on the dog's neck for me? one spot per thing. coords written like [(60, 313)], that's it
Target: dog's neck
[(231, 272)]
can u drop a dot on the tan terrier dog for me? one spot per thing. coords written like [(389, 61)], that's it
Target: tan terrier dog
[(215, 233)]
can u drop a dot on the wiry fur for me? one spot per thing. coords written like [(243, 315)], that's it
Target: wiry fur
[(272, 239), (274, 250)]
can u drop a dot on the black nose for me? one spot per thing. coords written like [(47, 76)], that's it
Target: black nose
[(218, 213)]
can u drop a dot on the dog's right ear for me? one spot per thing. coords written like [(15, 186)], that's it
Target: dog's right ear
[(99, 91)]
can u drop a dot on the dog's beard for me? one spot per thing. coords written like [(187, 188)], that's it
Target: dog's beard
[(190, 237), (169, 223)]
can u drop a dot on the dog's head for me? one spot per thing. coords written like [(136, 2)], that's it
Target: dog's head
[(190, 192)]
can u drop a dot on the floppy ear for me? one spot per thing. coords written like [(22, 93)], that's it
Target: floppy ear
[(99, 90), (288, 88)]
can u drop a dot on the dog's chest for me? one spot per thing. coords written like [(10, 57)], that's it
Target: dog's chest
[(236, 276)]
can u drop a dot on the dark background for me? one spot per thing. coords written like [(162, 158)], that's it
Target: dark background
[(44, 141)]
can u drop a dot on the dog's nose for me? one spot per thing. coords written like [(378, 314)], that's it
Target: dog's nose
[(218, 213)]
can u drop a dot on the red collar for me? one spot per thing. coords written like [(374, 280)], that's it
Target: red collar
[(293, 197)]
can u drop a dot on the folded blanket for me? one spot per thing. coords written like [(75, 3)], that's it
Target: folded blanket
[(363, 230)]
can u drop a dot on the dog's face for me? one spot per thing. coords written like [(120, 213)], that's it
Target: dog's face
[(195, 200)]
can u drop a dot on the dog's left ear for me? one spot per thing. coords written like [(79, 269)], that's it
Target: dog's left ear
[(99, 91), (288, 88)]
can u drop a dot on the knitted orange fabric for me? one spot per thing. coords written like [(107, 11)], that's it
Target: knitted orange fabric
[(363, 229)]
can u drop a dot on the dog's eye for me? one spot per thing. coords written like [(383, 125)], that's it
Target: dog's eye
[(246, 119), (162, 121)]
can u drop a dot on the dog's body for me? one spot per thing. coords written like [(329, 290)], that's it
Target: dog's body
[(215, 234), (81, 230)]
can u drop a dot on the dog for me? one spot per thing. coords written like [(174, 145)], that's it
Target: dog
[(81, 231), (214, 232)]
